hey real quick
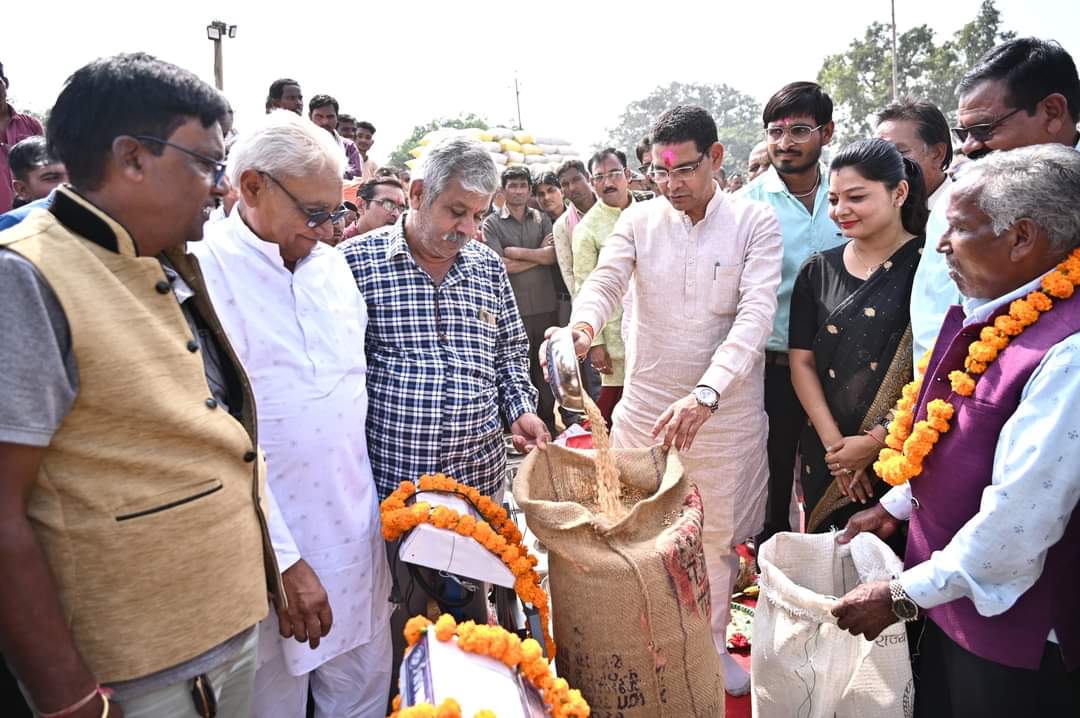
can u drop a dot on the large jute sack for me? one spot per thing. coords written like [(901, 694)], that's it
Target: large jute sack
[(630, 599), (802, 664)]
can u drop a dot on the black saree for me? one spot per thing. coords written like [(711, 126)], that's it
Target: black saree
[(862, 352)]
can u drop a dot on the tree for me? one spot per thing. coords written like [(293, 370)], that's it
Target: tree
[(401, 154), (860, 79), (737, 115)]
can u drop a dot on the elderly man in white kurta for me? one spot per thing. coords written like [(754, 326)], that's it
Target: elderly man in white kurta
[(296, 319), (704, 266)]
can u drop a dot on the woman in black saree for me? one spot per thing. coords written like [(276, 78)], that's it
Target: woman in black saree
[(850, 332)]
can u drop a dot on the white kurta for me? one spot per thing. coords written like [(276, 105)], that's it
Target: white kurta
[(300, 336), (704, 300)]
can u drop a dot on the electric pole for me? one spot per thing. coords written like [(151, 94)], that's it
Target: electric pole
[(517, 97), (894, 84)]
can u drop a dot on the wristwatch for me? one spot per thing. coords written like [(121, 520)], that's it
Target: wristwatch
[(707, 397), (902, 605)]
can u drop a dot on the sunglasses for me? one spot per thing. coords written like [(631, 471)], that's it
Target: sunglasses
[(984, 131), (314, 219)]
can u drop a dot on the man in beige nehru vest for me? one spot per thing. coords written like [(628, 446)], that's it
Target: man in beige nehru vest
[(133, 540)]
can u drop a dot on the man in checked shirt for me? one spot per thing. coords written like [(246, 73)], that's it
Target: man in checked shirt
[(446, 349)]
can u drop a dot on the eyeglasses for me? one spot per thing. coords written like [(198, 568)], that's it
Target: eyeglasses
[(216, 166), (314, 219), (645, 168), (984, 131), (601, 177), (797, 133), (684, 172), (388, 204)]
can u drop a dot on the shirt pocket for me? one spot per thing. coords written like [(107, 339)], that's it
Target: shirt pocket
[(722, 296)]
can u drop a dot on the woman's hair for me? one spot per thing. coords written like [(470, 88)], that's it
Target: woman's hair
[(880, 161)]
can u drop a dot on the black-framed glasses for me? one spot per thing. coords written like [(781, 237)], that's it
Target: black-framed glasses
[(797, 133), (684, 172), (983, 131), (388, 204), (645, 168), (216, 166), (314, 219)]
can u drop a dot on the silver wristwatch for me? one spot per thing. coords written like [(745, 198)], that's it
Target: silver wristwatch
[(902, 605), (707, 397)]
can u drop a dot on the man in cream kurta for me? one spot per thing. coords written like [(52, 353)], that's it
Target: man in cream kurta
[(291, 309), (705, 295), (300, 335)]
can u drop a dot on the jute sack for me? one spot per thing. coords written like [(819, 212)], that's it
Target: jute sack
[(802, 664), (630, 600)]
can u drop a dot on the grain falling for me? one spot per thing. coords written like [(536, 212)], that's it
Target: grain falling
[(608, 486)]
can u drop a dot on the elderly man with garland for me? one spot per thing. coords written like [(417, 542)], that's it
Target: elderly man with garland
[(987, 479)]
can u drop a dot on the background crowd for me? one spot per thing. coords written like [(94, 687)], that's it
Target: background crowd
[(387, 325)]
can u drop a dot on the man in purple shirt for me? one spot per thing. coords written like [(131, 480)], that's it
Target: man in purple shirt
[(13, 127)]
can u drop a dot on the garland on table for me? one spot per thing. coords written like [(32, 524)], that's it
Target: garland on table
[(909, 443), (497, 533), (502, 645)]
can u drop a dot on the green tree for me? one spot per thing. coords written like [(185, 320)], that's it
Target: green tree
[(860, 79), (737, 115), (401, 154)]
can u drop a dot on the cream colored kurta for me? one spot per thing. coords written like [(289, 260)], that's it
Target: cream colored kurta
[(704, 299)]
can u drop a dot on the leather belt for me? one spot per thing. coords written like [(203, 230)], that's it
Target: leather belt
[(776, 358)]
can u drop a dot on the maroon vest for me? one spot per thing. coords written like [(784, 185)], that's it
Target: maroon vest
[(959, 467)]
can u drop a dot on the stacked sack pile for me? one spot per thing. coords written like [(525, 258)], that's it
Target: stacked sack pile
[(508, 148)]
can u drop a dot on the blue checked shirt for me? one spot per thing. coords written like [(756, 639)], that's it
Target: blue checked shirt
[(442, 362)]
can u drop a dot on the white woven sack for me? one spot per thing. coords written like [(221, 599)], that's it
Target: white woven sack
[(802, 664), (498, 158)]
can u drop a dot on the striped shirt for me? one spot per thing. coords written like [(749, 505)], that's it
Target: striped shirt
[(443, 362)]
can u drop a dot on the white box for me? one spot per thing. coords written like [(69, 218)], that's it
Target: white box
[(434, 671), (446, 550)]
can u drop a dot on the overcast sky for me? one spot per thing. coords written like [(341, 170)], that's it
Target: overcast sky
[(399, 64)]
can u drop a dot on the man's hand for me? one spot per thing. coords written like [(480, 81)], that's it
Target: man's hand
[(866, 610), (682, 421), (600, 359), (875, 519), (549, 241), (528, 433), (308, 617), (581, 346)]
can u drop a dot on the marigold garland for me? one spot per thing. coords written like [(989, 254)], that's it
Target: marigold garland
[(497, 533), (907, 445), (495, 642)]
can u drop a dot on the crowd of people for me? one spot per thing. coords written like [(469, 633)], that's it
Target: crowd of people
[(227, 345)]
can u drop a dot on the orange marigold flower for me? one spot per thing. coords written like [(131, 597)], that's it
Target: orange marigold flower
[(1040, 301), (994, 337), (1008, 326), (448, 709), (485, 714), (1057, 285), (973, 366), (962, 384), (1023, 312), (415, 627), (942, 408), (445, 627), (981, 352), (466, 525)]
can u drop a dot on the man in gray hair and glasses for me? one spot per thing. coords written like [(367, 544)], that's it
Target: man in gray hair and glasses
[(291, 309)]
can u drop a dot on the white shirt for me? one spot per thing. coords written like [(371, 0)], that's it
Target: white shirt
[(704, 300), (300, 337), (937, 195), (999, 553)]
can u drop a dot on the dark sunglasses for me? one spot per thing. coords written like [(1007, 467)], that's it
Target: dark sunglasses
[(983, 131), (216, 166), (314, 219)]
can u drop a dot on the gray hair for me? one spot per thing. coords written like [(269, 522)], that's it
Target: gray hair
[(461, 158), (1040, 182), (285, 145)]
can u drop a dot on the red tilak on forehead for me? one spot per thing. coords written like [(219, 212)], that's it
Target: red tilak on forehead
[(669, 157)]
